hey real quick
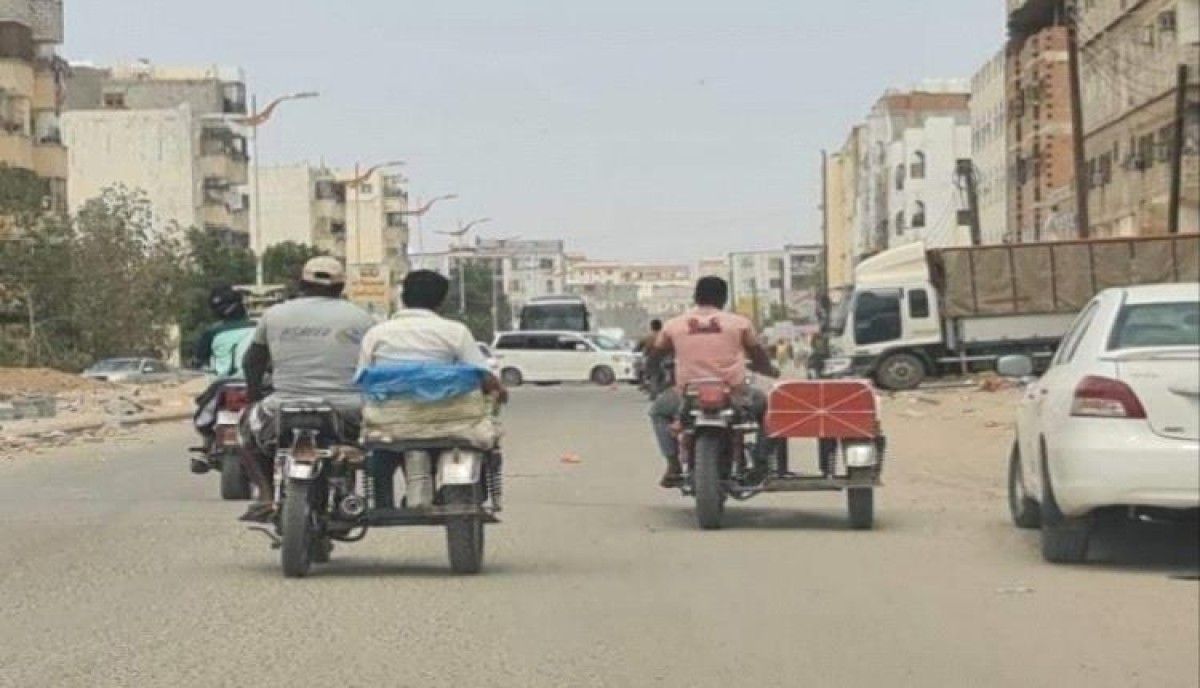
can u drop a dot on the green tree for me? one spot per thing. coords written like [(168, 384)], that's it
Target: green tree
[(283, 262), (474, 291)]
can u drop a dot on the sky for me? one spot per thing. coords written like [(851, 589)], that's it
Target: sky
[(632, 129)]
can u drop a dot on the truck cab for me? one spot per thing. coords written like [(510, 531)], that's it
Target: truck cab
[(889, 327)]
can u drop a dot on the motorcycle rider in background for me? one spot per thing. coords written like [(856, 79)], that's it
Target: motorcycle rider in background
[(708, 342), (311, 346), (219, 353)]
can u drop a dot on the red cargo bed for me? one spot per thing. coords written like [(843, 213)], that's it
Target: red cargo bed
[(823, 409)]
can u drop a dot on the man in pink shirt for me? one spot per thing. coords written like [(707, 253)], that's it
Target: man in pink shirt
[(707, 342)]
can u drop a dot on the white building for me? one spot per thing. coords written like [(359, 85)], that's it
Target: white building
[(191, 168), (302, 204), (780, 284), (714, 267), (663, 289), (989, 146), (524, 269), (916, 135), (377, 221)]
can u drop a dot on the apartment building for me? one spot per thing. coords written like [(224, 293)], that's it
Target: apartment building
[(714, 267), (167, 131), (302, 204), (524, 269), (1130, 58), (777, 284), (989, 147), (377, 227), (32, 84)]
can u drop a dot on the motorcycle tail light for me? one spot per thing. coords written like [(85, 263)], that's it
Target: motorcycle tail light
[(712, 397), (235, 398)]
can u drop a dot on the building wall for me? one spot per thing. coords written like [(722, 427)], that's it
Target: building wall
[(838, 222), (144, 86), (764, 283), (1040, 159), (376, 228), (286, 205), (989, 147), (1129, 91), (923, 198), (151, 150)]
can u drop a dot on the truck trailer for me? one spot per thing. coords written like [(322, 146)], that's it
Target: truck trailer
[(916, 313)]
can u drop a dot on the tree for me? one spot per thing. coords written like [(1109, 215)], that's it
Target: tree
[(283, 262), (474, 291)]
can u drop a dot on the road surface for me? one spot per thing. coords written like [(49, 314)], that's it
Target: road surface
[(121, 569)]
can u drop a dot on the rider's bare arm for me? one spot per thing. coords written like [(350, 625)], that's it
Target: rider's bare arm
[(760, 360), (255, 364), (663, 347)]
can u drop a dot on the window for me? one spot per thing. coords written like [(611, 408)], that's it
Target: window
[(514, 287), (918, 218), (546, 264), (1157, 324), (917, 166), (899, 177), (365, 188), (877, 317), (1070, 342), (900, 226), (114, 100), (918, 303), (572, 344), (549, 286), (396, 220), (776, 283)]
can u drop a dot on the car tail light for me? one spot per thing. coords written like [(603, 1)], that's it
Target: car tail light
[(1102, 397), (234, 398)]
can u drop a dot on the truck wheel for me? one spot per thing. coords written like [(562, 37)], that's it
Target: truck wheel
[(900, 372), (603, 376), (464, 534), (1024, 509), (234, 484), (296, 550), (1064, 539), (511, 377), (709, 483)]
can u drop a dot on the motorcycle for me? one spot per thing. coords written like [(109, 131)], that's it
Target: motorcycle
[(326, 486), (718, 443), (223, 453)]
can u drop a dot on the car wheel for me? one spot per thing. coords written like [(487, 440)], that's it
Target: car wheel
[(1024, 509), (511, 377), (900, 372), (1064, 539), (604, 376)]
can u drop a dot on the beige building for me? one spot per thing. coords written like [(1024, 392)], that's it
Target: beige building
[(31, 88), (377, 228), (1131, 52), (841, 171), (989, 147), (663, 289), (168, 132), (714, 267), (302, 204)]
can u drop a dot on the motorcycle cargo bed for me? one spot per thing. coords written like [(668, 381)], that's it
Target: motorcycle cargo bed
[(824, 409), (432, 516)]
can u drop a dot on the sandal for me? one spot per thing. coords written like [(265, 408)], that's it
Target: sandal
[(258, 513)]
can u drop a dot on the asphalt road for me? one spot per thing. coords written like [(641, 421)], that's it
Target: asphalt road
[(118, 568)]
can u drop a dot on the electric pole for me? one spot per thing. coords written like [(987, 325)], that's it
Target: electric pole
[(1177, 150), (1077, 134), (965, 171)]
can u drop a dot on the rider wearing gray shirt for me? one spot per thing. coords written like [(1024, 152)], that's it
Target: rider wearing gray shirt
[(311, 344)]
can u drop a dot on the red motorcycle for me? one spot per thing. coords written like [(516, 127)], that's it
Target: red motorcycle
[(223, 452), (719, 437)]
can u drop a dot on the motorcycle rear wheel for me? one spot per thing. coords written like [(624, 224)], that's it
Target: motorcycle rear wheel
[(297, 546), (709, 481), (234, 484), (464, 534)]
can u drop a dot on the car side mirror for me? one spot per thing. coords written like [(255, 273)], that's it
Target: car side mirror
[(1016, 366)]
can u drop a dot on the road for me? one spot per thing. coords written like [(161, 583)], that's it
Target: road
[(120, 569)]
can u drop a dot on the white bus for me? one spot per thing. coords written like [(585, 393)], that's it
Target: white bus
[(555, 313)]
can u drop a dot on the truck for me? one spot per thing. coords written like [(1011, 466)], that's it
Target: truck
[(916, 313)]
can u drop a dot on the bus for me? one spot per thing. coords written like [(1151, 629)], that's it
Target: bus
[(555, 313)]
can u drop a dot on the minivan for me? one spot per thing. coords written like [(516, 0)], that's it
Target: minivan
[(548, 357)]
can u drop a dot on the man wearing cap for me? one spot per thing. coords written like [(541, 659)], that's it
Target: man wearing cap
[(311, 346)]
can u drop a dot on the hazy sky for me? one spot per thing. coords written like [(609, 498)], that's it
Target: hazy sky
[(630, 128)]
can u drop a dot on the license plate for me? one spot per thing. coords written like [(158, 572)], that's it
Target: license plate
[(228, 417)]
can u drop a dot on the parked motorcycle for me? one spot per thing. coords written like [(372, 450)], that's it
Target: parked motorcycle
[(223, 453), (326, 487), (718, 439)]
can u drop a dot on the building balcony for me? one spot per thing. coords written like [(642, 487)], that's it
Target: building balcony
[(16, 150), (50, 160), (331, 210), (16, 77), (216, 215), (232, 170), (45, 93)]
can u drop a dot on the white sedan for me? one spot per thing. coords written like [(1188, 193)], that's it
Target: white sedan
[(1114, 422)]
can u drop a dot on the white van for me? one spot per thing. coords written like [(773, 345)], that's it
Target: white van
[(540, 357)]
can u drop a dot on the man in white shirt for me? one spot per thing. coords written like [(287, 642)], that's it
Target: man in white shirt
[(417, 334)]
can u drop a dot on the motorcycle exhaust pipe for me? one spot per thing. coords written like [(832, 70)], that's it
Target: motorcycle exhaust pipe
[(353, 506)]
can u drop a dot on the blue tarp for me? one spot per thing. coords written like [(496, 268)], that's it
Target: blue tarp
[(419, 381)]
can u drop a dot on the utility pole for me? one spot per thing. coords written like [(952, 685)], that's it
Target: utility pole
[(1177, 150), (824, 225), (1081, 181), (966, 172)]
